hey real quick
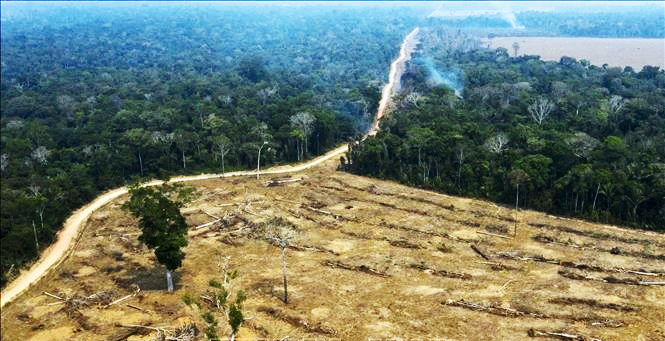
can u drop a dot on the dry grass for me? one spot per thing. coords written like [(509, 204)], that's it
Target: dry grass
[(400, 256)]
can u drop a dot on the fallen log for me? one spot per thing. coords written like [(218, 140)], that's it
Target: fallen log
[(475, 248), (135, 307), (120, 300), (225, 205), (322, 211), (207, 224), (54, 296), (562, 336), (273, 183)]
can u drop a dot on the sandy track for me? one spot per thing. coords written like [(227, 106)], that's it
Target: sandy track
[(66, 238)]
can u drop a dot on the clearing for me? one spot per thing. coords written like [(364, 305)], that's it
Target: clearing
[(375, 260), (633, 52)]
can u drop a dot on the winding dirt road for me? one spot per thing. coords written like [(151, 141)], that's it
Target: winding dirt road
[(67, 237)]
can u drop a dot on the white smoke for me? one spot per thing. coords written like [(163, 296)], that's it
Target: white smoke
[(510, 18)]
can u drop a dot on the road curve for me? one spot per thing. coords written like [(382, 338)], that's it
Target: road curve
[(67, 236)]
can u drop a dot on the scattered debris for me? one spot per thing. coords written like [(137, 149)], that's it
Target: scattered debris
[(495, 310), (442, 273), (600, 235), (499, 266), (361, 268), (311, 248), (591, 303), (186, 332), (137, 290), (607, 279), (297, 321), (614, 250), (518, 255)]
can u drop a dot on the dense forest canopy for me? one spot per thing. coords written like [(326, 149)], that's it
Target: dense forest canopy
[(566, 137), (96, 94)]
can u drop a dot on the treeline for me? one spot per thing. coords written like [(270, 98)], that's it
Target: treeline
[(106, 95), (574, 139), (644, 21)]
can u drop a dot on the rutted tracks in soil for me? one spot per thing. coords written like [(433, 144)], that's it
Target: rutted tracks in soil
[(67, 237)]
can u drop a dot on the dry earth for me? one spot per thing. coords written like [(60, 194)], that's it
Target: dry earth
[(620, 52), (375, 260)]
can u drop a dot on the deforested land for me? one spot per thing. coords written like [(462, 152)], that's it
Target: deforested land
[(615, 52), (373, 259)]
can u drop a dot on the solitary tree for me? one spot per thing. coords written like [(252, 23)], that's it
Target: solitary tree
[(223, 145), (281, 233), (516, 47), (163, 227)]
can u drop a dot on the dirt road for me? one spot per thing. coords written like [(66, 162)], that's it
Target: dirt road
[(66, 238)]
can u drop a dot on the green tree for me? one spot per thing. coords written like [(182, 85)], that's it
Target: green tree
[(163, 227)]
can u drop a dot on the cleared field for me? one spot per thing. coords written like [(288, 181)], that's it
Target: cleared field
[(375, 260), (612, 51)]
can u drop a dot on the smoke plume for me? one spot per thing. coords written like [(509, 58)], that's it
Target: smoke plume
[(435, 77)]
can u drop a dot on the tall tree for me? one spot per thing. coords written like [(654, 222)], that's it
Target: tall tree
[(304, 122), (281, 233), (163, 227)]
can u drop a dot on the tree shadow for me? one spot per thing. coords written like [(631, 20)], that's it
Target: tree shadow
[(153, 278)]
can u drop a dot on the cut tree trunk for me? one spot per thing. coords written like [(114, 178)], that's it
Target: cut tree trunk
[(286, 280), (169, 280)]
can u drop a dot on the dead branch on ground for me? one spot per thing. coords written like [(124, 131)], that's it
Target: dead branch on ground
[(360, 268), (477, 250), (442, 273), (187, 332), (562, 336)]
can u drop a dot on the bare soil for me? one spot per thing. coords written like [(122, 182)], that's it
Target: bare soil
[(621, 52), (375, 260)]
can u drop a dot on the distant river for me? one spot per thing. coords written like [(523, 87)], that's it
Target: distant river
[(634, 52)]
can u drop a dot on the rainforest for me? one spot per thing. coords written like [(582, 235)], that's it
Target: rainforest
[(97, 95)]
